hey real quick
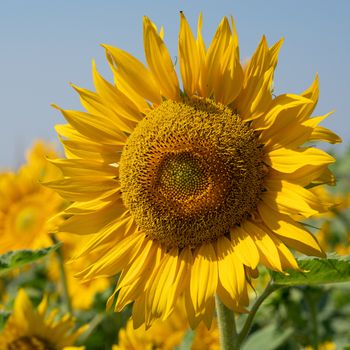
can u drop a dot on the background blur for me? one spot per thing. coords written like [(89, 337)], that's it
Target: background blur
[(44, 45)]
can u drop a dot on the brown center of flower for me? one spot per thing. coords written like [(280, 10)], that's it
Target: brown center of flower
[(30, 343), (191, 171)]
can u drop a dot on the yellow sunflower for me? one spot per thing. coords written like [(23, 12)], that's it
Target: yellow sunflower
[(25, 204), (33, 329), (188, 189), (167, 335)]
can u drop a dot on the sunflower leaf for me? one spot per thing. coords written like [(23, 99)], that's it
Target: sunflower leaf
[(334, 269), (271, 337), (18, 258)]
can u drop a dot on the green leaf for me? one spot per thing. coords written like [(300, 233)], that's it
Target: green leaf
[(316, 271), (186, 341), (4, 315), (18, 258), (268, 338)]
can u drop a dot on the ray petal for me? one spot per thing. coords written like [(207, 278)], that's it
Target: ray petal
[(159, 61)]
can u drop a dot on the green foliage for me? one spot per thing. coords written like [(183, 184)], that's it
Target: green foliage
[(270, 337), (187, 340), (316, 271), (19, 258), (4, 315)]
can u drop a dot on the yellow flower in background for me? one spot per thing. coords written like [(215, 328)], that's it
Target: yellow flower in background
[(328, 345), (167, 335), (187, 189), (334, 232), (29, 328), (81, 293), (26, 205)]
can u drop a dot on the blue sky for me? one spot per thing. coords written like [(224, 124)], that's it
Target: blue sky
[(44, 45)]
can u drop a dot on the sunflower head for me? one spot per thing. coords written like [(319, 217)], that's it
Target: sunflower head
[(188, 187), (30, 343), (25, 204), (184, 169), (35, 329)]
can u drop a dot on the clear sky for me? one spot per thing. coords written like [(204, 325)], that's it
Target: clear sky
[(44, 45)]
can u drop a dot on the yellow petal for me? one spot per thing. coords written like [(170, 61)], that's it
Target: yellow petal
[(159, 62), (189, 57), (202, 54), (287, 259), (214, 56), (138, 312), (132, 75), (115, 259), (91, 222), (291, 198), (136, 267), (324, 134), (267, 249), (121, 104), (256, 94), (81, 167), (84, 188), (230, 75), (283, 110), (287, 160), (231, 271), (113, 233), (77, 145), (312, 94), (303, 176), (294, 135), (244, 247), (204, 277), (183, 269), (160, 286), (94, 127), (290, 231)]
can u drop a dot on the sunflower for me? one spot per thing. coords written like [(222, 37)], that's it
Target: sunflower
[(31, 329), (187, 189), (25, 204), (168, 334)]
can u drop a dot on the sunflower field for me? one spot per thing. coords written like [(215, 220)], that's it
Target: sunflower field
[(188, 206)]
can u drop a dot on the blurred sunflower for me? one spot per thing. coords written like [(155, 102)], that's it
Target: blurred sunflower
[(188, 189), (30, 329), (168, 335), (26, 205)]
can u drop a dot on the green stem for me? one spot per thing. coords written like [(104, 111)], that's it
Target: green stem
[(63, 277), (227, 326), (92, 327), (313, 318), (248, 322)]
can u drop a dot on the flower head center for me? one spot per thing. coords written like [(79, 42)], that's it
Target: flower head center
[(30, 343), (26, 219), (190, 171), (182, 176)]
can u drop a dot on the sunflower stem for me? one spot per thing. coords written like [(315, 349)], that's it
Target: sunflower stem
[(270, 288), (313, 318), (63, 277), (227, 326)]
